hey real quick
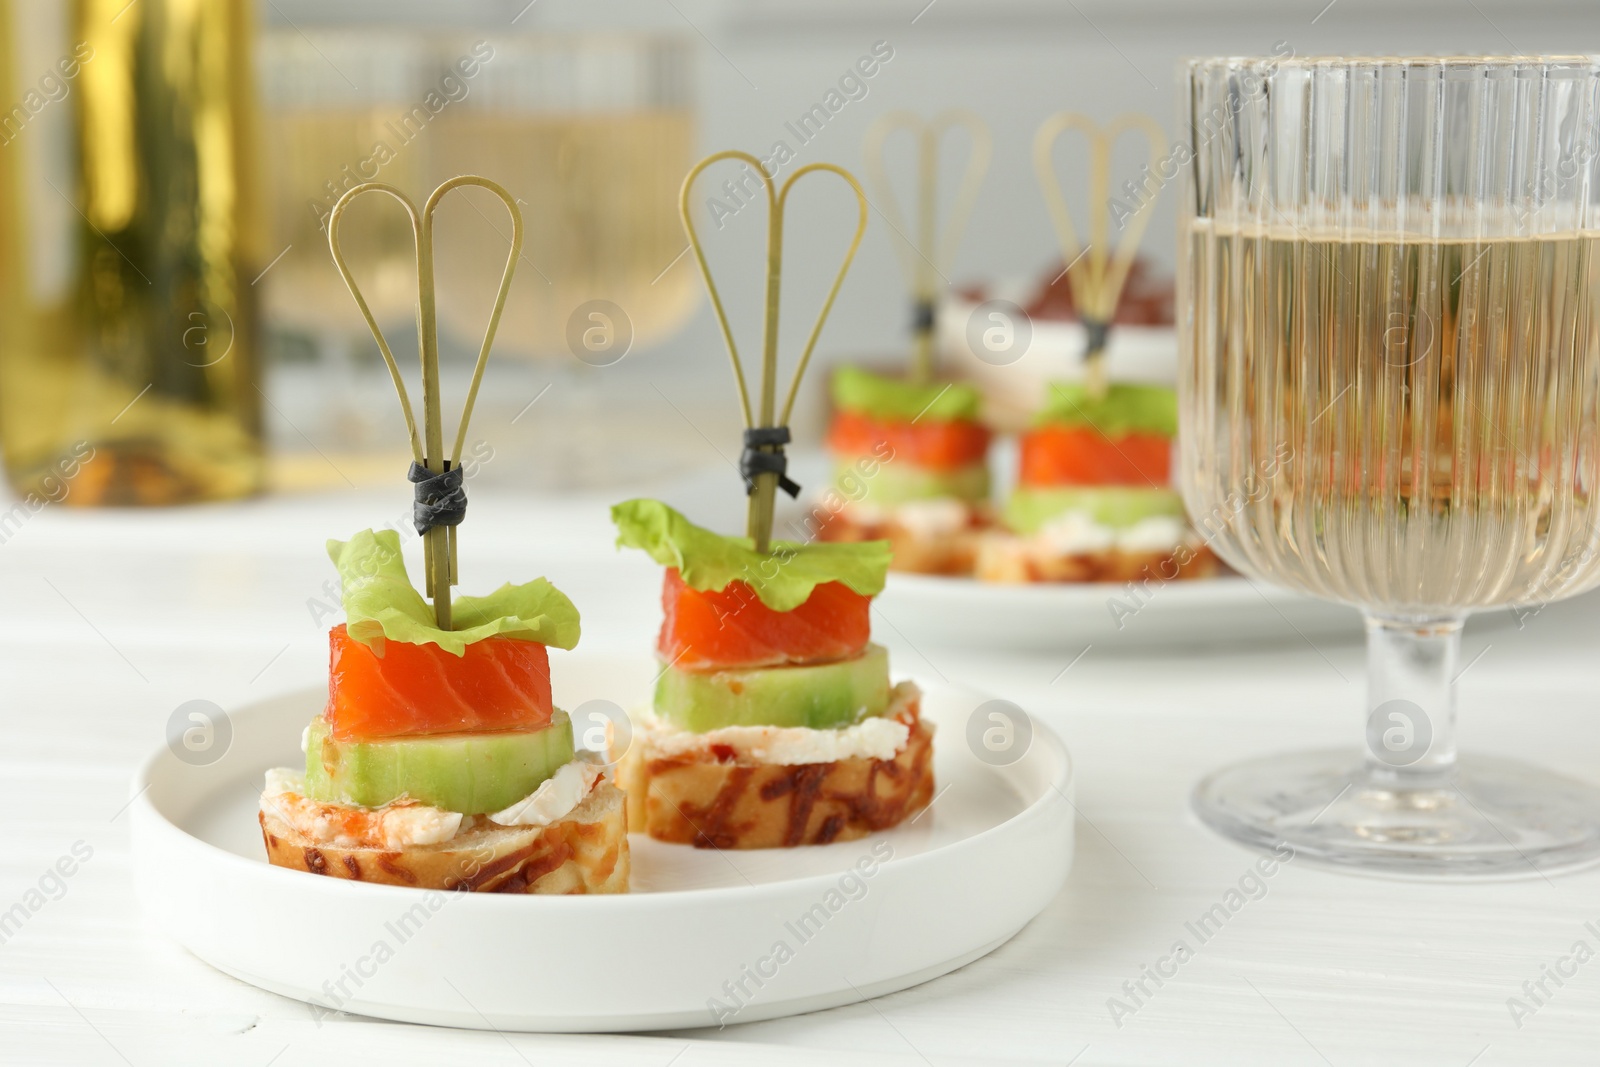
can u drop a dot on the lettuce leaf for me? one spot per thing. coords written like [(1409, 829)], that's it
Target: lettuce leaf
[(380, 603), (1123, 410), (783, 578), (895, 400)]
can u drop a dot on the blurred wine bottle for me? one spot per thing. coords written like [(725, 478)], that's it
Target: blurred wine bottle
[(128, 243)]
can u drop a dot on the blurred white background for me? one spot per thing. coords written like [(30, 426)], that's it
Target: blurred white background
[(760, 64)]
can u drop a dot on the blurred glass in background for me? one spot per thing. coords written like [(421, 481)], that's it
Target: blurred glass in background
[(128, 238), (592, 133)]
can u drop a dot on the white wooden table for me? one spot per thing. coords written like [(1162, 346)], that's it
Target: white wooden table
[(115, 618)]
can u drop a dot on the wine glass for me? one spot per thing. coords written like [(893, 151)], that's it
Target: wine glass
[(593, 134), (1390, 337), (330, 105), (590, 131)]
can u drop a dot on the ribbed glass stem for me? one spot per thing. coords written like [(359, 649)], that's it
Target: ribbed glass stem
[(1411, 709)]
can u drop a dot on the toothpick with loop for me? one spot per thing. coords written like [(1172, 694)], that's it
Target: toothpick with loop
[(763, 464), (440, 497), (928, 257), (1097, 273)]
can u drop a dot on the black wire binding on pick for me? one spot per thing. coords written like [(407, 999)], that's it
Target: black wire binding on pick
[(753, 461), (1095, 336), (923, 316), (441, 500)]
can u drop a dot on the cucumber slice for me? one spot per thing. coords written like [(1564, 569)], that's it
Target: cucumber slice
[(1116, 506), (819, 697), (471, 773), (902, 483)]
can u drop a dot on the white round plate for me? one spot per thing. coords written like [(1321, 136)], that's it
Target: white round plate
[(706, 937)]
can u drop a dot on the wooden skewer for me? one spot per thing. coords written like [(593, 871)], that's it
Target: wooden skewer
[(758, 523), (929, 258), (441, 559), (1098, 273)]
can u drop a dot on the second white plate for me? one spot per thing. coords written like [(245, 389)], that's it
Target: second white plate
[(1062, 618)]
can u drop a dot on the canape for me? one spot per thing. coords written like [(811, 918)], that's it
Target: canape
[(1094, 500), (911, 467), (440, 761), (774, 722)]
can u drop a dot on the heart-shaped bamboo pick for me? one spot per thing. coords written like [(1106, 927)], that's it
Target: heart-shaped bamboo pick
[(440, 498), (767, 429), (1096, 273), (927, 259)]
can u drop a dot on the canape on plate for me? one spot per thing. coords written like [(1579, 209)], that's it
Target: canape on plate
[(440, 761), (774, 722), (1094, 500), (911, 467)]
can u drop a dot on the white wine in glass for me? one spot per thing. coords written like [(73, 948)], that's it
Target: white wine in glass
[(1391, 369), (330, 101), (590, 132)]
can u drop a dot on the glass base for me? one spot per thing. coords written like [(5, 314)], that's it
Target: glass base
[(1486, 818)]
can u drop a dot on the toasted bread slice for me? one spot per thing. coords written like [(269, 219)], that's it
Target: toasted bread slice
[(587, 852), (1004, 557), (699, 799), (952, 552)]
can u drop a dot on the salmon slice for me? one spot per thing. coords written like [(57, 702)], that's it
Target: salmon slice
[(733, 628), (1082, 455), (934, 444), (501, 683)]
